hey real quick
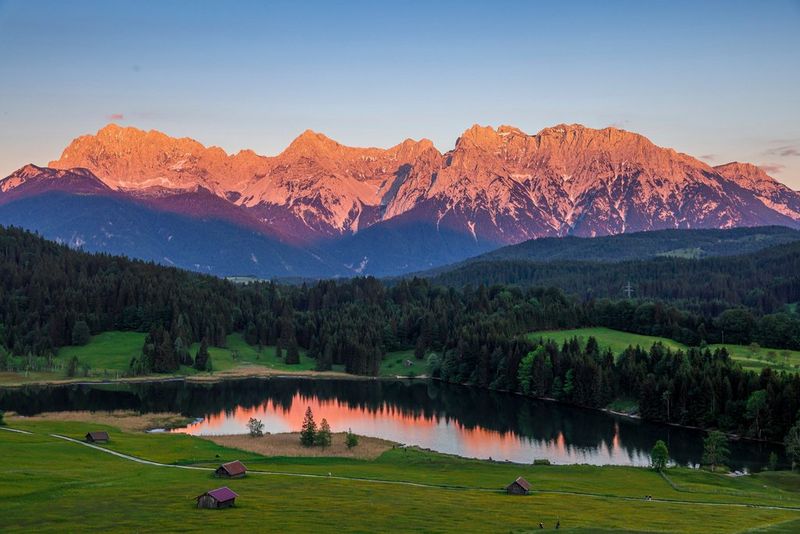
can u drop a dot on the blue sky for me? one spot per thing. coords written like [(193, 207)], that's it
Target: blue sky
[(719, 80)]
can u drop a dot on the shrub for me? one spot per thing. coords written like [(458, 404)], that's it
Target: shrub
[(256, 427), (350, 439), (659, 456), (323, 437)]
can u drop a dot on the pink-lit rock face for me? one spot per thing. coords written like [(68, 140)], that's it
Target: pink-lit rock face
[(497, 185)]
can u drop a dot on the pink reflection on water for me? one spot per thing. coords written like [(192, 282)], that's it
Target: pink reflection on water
[(388, 422)]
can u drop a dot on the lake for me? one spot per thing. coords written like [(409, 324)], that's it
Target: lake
[(453, 419)]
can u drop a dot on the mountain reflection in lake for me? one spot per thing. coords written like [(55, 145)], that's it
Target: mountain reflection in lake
[(447, 418)]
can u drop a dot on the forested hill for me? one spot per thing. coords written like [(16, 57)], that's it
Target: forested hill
[(46, 287), (690, 244), (765, 280)]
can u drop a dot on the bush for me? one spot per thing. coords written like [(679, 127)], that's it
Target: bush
[(772, 464), (323, 437), (2, 421), (541, 461), (659, 456), (256, 427), (350, 439)]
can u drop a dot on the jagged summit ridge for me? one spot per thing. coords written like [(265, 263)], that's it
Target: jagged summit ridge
[(497, 185)]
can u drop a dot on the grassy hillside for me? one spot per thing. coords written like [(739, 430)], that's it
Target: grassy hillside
[(56, 485), (755, 358)]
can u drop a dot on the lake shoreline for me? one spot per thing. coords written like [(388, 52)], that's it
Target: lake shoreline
[(247, 372), (222, 376)]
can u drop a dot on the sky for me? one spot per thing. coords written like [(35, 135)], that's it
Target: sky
[(717, 80)]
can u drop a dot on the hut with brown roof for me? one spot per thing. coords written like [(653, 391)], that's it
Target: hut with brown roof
[(97, 437), (235, 469), (519, 487), (223, 497)]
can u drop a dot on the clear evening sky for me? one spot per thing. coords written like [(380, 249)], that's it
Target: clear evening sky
[(718, 80)]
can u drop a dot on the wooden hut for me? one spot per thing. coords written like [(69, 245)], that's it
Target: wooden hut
[(519, 487), (235, 469), (97, 437), (223, 497)]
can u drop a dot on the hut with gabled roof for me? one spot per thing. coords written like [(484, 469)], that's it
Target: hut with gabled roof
[(234, 469), (97, 437), (223, 497), (519, 487)]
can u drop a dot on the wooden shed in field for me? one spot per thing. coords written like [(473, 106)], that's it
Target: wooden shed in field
[(235, 469), (97, 437), (223, 497), (519, 487)]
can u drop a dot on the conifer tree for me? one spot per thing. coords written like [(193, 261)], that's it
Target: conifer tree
[(202, 360), (308, 432)]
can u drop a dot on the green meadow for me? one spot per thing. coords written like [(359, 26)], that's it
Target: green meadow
[(55, 485), (107, 357), (750, 357), (394, 364)]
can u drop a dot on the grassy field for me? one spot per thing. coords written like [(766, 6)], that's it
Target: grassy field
[(750, 357), (112, 351), (108, 356), (54, 485)]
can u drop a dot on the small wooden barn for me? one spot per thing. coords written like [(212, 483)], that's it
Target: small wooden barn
[(519, 487), (235, 469), (223, 497), (97, 437)]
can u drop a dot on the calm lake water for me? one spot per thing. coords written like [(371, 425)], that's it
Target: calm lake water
[(447, 418)]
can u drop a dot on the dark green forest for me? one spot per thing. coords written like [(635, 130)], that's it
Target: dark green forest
[(50, 293), (763, 281)]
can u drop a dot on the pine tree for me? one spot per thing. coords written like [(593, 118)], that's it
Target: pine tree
[(293, 353), (80, 333), (325, 359), (202, 361), (182, 353), (165, 360), (308, 432)]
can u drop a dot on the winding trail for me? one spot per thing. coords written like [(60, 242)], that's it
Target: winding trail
[(423, 485), (15, 430)]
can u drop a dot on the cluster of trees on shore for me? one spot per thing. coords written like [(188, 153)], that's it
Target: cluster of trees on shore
[(693, 388)]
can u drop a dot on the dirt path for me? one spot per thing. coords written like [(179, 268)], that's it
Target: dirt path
[(15, 430)]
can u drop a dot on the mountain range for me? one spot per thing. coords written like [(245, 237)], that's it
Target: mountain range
[(321, 209)]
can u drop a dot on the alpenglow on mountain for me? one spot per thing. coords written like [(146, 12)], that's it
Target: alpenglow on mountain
[(320, 208)]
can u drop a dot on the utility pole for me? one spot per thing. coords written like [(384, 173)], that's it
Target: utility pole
[(628, 290)]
